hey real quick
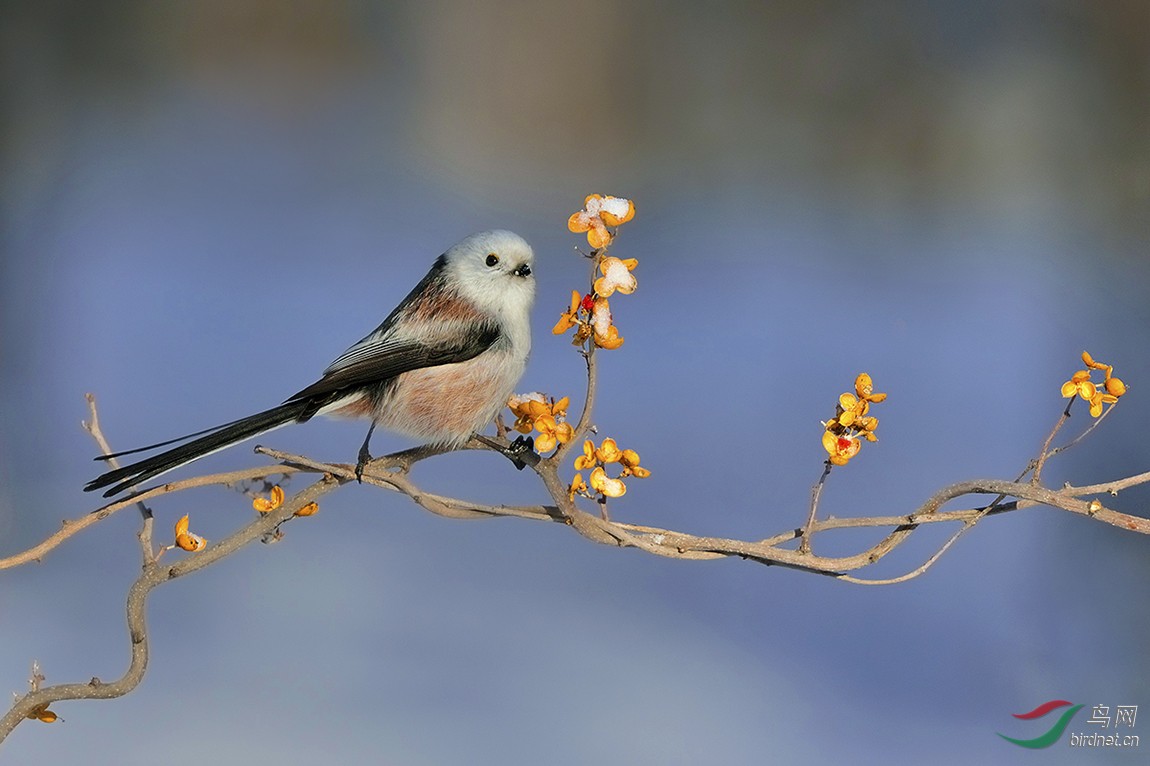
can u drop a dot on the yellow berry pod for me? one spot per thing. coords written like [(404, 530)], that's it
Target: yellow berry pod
[(605, 485), (578, 222), (587, 459), (609, 452), (191, 542), (266, 505), (43, 714)]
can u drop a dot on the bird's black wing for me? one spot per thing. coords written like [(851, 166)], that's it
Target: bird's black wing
[(381, 360)]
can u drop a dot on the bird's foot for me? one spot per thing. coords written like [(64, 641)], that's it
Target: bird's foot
[(522, 453), (361, 463)]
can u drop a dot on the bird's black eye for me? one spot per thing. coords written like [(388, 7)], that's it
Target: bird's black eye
[(492, 259)]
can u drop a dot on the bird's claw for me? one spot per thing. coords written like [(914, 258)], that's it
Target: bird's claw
[(522, 453)]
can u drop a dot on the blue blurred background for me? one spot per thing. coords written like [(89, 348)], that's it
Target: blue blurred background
[(205, 202)]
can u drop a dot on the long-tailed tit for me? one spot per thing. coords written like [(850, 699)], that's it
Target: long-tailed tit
[(439, 368)]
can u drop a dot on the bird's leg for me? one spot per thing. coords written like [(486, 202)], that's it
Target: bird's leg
[(364, 454)]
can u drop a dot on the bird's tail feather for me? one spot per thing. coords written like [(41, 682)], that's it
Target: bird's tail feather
[(157, 445), (215, 439)]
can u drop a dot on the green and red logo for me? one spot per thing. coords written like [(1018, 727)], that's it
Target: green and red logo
[(1054, 733)]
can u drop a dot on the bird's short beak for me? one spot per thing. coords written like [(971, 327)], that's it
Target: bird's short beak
[(522, 271)]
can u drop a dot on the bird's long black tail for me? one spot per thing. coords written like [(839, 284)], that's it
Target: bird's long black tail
[(217, 439)]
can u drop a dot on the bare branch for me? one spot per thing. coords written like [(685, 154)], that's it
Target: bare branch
[(392, 472), (155, 574)]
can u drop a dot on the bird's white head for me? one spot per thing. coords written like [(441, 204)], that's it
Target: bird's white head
[(492, 269)]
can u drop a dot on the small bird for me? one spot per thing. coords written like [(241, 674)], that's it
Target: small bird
[(439, 368)]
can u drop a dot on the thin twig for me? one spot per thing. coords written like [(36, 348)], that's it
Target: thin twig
[(914, 572), (584, 423), (92, 426), (1044, 453), (71, 527), (1086, 432), (816, 493)]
